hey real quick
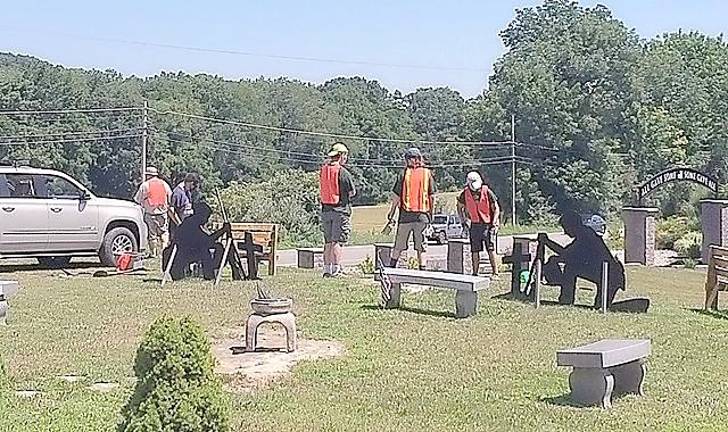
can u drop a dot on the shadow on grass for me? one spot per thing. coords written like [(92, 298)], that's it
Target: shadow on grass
[(563, 400), (418, 311), (526, 300), (718, 314), (17, 268)]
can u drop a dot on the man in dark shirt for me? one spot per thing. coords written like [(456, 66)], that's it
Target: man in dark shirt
[(582, 258), (336, 191), (413, 196), (182, 198), (195, 245)]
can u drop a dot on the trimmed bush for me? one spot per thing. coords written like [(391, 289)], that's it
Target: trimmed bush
[(690, 245), (670, 230), (177, 389)]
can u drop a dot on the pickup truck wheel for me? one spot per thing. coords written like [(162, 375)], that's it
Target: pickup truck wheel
[(54, 262), (441, 237), (116, 242)]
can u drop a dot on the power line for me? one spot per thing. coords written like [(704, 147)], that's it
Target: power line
[(65, 134), (263, 55), (69, 111), (310, 158), (70, 141), (328, 134)]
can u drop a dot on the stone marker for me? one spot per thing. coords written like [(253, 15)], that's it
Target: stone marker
[(459, 258), (714, 220), (309, 258), (7, 290), (604, 367)]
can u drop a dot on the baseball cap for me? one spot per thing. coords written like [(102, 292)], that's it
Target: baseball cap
[(474, 180), (338, 149), (412, 153), (152, 171)]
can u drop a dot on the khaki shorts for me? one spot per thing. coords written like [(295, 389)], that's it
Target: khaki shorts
[(158, 225), (336, 227), (401, 240)]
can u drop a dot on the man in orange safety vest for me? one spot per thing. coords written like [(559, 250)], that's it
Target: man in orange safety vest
[(155, 196), (414, 198), (478, 209), (336, 191)]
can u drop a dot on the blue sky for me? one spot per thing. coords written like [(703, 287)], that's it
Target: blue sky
[(455, 34)]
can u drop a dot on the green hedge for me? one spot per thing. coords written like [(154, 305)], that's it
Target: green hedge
[(176, 386)]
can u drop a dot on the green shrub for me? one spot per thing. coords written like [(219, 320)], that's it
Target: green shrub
[(176, 387), (670, 230), (690, 245), (289, 198), (367, 266)]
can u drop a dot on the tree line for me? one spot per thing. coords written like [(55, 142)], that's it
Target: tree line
[(597, 110)]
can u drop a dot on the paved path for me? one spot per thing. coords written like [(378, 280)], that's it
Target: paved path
[(353, 255)]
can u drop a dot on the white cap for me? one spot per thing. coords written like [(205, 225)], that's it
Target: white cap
[(474, 181)]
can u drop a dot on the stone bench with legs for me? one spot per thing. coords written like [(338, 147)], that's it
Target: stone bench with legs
[(466, 287), (605, 367)]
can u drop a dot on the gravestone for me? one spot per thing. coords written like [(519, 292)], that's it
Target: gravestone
[(459, 258), (7, 290), (519, 261), (714, 220), (639, 234)]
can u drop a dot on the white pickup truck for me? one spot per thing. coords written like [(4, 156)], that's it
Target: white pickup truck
[(47, 215)]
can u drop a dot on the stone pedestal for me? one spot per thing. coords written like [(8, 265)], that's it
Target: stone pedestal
[(639, 234), (714, 220), (459, 258), (287, 320)]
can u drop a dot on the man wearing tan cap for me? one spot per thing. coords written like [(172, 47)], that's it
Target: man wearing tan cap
[(155, 196), (336, 191)]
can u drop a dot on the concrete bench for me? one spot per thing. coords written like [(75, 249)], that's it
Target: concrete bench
[(604, 367), (466, 287), (309, 258)]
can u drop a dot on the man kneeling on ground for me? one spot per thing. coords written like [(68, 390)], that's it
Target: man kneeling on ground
[(582, 258), (195, 245)]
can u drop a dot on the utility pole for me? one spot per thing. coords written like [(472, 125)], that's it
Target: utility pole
[(513, 169), (145, 127)]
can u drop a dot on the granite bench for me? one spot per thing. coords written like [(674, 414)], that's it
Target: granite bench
[(466, 287), (309, 258), (605, 367)]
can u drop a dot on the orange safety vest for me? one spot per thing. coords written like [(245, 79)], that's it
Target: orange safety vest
[(157, 193), (479, 211), (329, 184), (416, 190)]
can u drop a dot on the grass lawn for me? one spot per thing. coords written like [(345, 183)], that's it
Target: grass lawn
[(405, 370)]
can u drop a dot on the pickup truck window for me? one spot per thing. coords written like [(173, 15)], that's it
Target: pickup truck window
[(440, 220)]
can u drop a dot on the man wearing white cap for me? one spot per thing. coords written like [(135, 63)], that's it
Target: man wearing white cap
[(479, 211), (336, 191), (155, 196)]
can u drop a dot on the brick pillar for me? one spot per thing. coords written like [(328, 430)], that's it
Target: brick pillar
[(714, 220), (639, 234)]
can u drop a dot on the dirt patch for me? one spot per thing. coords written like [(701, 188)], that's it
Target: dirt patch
[(28, 394), (248, 371)]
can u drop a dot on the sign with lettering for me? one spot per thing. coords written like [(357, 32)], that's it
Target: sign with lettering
[(677, 174)]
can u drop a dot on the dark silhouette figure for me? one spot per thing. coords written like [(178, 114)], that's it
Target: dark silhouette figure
[(582, 258), (195, 245)]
